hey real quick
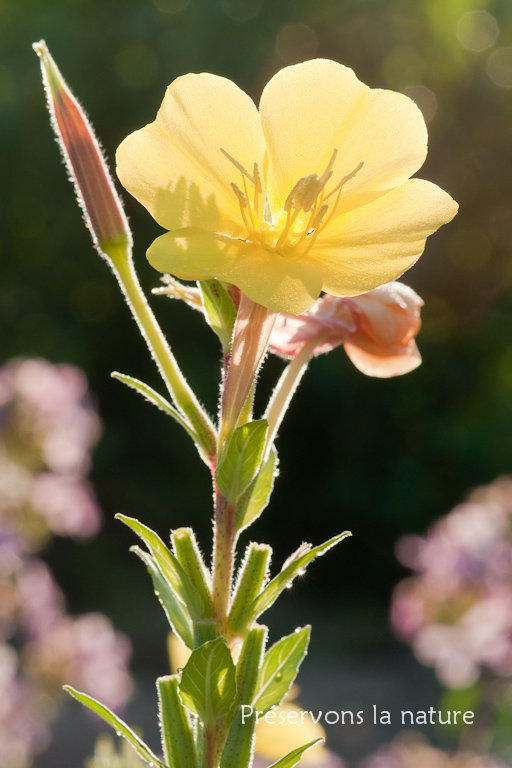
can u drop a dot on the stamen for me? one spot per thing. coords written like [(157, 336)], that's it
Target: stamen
[(240, 195), (257, 180), (324, 178), (237, 165), (295, 191), (258, 189), (319, 216), (346, 178)]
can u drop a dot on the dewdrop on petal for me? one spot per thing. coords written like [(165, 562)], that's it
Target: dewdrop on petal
[(102, 208)]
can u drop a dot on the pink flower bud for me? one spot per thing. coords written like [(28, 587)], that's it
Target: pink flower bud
[(102, 208), (377, 329)]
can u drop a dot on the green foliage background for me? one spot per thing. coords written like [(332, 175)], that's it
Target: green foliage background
[(381, 458)]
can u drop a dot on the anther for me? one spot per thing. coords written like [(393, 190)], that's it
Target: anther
[(319, 216), (238, 192), (237, 165)]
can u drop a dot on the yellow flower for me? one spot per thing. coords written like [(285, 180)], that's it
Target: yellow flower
[(312, 193)]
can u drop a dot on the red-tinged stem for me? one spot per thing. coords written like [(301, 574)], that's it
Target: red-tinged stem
[(254, 324), (223, 554)]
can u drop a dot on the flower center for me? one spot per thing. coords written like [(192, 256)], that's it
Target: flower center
[(305, 210)]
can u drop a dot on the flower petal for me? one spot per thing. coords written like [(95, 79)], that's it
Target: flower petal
[(264, 276), (175, 166), (310, 109), (382, 362), (378, 242)]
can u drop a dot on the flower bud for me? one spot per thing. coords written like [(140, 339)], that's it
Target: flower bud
[(101, 206)]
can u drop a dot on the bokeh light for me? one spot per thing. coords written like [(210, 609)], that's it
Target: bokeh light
[(296, 42), (477, 30), (499, 67)]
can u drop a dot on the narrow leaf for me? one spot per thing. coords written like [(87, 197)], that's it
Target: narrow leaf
[(149, 394), (241, 458), (177, 734), (252, 576), (172, 570), (208, 684), (293, 757), (177, 613), (287, 575), (189, 556), (121, 728), (280, 666), (239, 747), (219, 310), (257, 495)]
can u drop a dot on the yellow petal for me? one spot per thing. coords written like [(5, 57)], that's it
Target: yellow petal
[(265, 277), (310, 109), (175, 166), (378, 242)]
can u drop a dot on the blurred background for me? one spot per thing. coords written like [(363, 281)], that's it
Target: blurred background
[(381, 458)]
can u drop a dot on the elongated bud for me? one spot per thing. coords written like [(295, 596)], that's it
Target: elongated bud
[(102, 208)]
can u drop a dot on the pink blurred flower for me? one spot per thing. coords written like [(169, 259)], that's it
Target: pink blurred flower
[(377, 330), (457, 608), (68, 505), (410, 750), (84, 652)]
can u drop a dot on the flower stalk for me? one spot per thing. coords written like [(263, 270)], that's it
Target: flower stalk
[(108, 225)]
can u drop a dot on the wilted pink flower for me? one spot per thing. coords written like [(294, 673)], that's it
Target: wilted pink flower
[(377, 330), (96, 194)]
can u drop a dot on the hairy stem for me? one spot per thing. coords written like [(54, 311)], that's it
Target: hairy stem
[(182, 395)]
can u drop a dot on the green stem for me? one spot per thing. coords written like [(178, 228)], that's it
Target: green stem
[(285, 389), (176, 383)]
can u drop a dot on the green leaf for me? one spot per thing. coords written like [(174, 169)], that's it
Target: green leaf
[(252, 576), (219, 310), (280, 666), (177, 734), (239, 747), (293, 757), (189, 556), (208, 684), (177, 613), (257, 495), (121, 728), (172, 570), (241, 459), (149, 394), (287, 575), (249, 664)]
